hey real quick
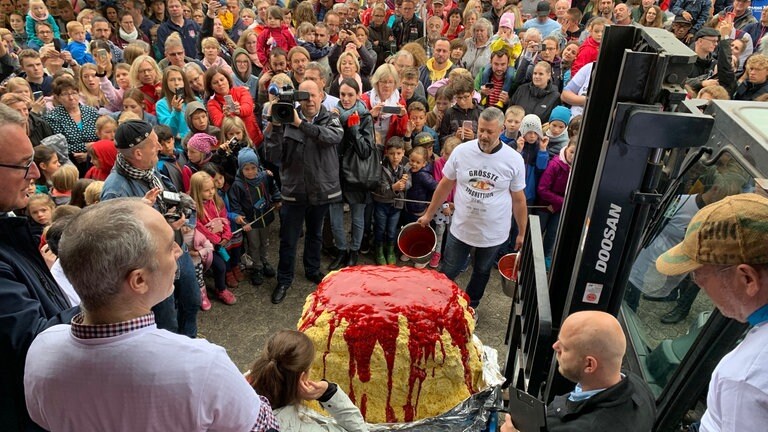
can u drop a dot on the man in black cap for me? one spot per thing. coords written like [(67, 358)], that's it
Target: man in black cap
[(703, 74), (681, 28), (134, 175), (543, 23), (695, 11)]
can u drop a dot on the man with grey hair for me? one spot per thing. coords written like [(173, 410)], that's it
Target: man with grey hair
[(319, 74), (30, 299), (130, 375), (134, 175), (489, 181)]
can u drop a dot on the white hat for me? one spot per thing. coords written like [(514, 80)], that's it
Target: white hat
[(531, 123)]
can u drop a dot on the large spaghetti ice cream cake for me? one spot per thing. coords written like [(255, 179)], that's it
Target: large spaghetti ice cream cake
[(398, 340)]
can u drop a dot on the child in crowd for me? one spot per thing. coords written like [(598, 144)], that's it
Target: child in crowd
[(39, 211), (442, 218), (458, 49), (557, 130), (63, 181), (575, 126), (197, 119), (591, 47), (234, 275), (505, 38), (281, 375), (213, 223), (512, 119), (423, 185), (305, 37), (276, 34), (77, 45), (103, 152), (170, 160), (93, 193), (252, 196), (442, 103), (52, 237), (532, 145), (232, 128), (38, 12), (199, 153), (211, 50), (47, 161), (393, 183), (551, 193), (417, 123), (77, 197)]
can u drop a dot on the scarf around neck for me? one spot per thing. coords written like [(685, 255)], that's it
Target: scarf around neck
[(125, 169), (393, 100), (130, 37), (344, 113)]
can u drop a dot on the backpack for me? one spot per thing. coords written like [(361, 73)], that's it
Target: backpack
[(361, 161)]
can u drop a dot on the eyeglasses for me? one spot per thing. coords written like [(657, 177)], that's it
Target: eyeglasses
[(20, 167), (696, 279), (70, 94)]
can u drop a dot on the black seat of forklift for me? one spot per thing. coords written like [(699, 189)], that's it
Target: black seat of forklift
[(666, 357)]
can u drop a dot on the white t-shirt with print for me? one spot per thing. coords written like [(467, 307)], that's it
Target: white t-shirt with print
[(483, 214)]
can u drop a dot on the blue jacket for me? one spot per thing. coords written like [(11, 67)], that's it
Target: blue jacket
[(189, 33), (699, 10), (118, 186), (423, 185), (534, 167), (30, 302), (79, 52)]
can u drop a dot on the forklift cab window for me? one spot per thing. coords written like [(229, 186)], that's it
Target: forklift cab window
[(665, 314)]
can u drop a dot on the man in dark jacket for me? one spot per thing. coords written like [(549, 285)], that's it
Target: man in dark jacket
[(589, 351), (756, 83), (407, 27), (709, 40), (30, 299), (305, 150)]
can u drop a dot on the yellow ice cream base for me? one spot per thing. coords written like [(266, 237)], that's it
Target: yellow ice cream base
[(442, 389)]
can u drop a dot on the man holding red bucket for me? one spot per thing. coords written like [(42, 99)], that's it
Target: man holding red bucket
[(490, 180)]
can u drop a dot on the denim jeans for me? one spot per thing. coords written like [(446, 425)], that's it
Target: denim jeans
[(454, 258), (292, 217), (549, 222), (187, 292), (357, 212), (386, 220)]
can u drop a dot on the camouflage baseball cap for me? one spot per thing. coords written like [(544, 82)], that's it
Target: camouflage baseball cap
[(731, 231), (423, 139)]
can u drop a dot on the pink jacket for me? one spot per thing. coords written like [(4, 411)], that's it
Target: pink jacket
[(553, 182), (282, 37), (209, 218)]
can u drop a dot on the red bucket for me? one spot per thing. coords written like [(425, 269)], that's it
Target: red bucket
[(417, 242), (508, 270)]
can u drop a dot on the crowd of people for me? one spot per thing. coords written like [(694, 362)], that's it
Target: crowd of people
[(236, 118)]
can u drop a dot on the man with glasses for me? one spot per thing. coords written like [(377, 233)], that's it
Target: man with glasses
[(175, 55), (380, 34), (30, 299), (725, 249), (712, 70)]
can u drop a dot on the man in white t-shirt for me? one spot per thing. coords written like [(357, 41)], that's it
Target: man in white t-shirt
[(489, 178), (112, 368)]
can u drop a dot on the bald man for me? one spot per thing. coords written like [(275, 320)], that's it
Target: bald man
[(589, 350)]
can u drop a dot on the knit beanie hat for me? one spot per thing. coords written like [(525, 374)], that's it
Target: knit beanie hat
[(247, 156), (562, 114), (531, 123), (507, 20), (203, 143)]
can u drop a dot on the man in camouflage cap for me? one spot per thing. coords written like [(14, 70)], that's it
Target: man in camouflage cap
[(726, 251)]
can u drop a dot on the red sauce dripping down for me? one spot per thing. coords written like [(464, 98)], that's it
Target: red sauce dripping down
[(370, 299)]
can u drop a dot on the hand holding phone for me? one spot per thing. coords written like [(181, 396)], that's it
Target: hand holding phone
[(388, 109), (230, 103)]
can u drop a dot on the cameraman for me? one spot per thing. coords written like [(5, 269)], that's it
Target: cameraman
[(305, 151), (134, 175)]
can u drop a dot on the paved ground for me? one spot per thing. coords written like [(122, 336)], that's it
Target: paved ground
[(244, 327)]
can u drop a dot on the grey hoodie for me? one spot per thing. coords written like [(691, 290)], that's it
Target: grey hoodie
[(191, 108)]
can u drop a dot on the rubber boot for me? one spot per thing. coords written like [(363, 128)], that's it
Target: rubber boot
[(380, 259), (205, 303), (391, 258)]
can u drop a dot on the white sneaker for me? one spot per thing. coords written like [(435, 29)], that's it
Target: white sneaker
[(419, 266), (404, 258)]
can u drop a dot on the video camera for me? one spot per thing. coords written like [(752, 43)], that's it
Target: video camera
[(182, 204), (283, 109)]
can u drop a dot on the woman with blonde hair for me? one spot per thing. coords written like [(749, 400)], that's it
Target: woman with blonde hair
[(90, 89), (385, 82), (146, 76), (348, 66)]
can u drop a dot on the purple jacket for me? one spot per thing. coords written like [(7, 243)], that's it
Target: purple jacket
[(553, 182)]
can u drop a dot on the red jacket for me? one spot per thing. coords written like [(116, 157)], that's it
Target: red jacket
[(587, 54), (282, 37), (243, 97), (209, 213), (397, 124), (151, 96)]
